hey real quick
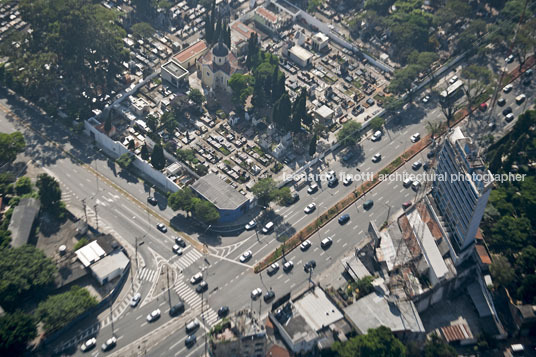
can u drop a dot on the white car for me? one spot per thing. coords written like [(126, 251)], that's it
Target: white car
[(89, 344), (246, 256), (312, 188), (256, 293), (251, 224), (426, 99), (273, 269), (288, 266), (453, 79), (177, 250), (135, 300), (305, 245), (509, 59), (415, 137), (416, 165), (196, 278), (331, 174), (508, 88), (153, 316), (376, 136), (310, 208), (377, 157), (347, 180)]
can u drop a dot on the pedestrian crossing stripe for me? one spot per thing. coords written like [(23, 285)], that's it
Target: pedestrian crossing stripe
[(193, 300), (188, 259), (147, 274)]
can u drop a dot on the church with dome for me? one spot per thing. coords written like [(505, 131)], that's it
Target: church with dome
[(216, 67)]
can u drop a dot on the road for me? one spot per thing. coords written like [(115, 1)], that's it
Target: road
[(120, 201)]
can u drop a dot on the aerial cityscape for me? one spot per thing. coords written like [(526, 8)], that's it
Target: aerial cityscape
[(267, 178)]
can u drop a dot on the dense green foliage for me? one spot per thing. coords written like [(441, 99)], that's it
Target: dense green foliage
[(23, 186), (266, 191), (377, 342), (142, 30), (509, 222), (16, 330), (125, 160), (10, 146), (24, 270), (349, 134), (187, 201), (58, 310), (49, 193), (158, 159)]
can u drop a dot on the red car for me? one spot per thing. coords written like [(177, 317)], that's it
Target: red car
[(483, 107), (406, 205)]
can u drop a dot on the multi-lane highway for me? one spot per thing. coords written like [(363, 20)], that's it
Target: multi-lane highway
[(119, 201)]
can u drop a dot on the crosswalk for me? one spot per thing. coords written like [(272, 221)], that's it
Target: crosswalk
[(188, 259), (193, 300), (148, 274)]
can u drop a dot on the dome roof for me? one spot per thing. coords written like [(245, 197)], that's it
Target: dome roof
[(220, 50)]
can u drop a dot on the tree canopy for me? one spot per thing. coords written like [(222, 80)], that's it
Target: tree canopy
[(349, 134), (142, 30), (49, 191), (187, 201), (377, 342), (10, 146), (16, 330), (157, 157)]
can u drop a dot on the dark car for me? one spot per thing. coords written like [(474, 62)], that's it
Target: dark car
[(526, 82), (190, 341), (270, 295), (344, 218), (333, 182), (406, 205), (427, 165), (368, 204), (176, 309), (507, 110), (501, 102), (179, 241), (311, 264), (430, 154), (161, 227), (152, 200), (223, 311), (348, 156), (202, 287)]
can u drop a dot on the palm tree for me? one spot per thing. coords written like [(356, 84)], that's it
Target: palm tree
[(434, 129)]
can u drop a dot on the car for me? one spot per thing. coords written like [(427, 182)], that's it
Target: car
[(177, 250), (326, 242), (223, 311), (251, 224), (330, 174), (348, 156), (501, 102), (416, 165), (509, 117), (196, 278), (202, 287), (288, 266), (293, 198), (347, 180), (153, 316), (256, 293), (135, 300), (190, 341), (492, 126), (509, 59), (368, 204), (312, 188), (427, 165), (310, 208), (453, 79), (270, 295), (370, 101), (273, 269), (246, 256), (430, 154), (483, 106), (88, 345), (267, 227), (526, 82), (406, 205), (311, 264), (333, 181), (528, 72), (507, 110), (179, 241), (305, 245), (344, 218), (520, 98), (416, 185), (161, 227), (415, 137), (377, 157), (508, 88), (407, 182), (152, 200), (109, 344), (192, 326), (376, 136), (426, 99), (176, 309)]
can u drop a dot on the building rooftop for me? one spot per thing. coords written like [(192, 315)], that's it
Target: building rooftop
[(219, 192), (242, 30), (22, 220), (110, 263), (191, 51), (454, 333), (175, 69), (90, 253), (301, 53), (267, 14), (320, 37), (317, 310), (374, 310), (324, 111)]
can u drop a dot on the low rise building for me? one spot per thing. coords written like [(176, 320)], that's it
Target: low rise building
[(301, 56), (324, 114), (110, 267), (267, 19), (242, 336), (188, 57), (22, 220), (240, 34), (320, 42), (175, 74), (216, 67)]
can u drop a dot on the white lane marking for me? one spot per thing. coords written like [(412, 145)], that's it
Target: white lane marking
[(402, 190), (345, 244), (286, 281), (355, 227), (406, 195), (381, 198), (361, 231)]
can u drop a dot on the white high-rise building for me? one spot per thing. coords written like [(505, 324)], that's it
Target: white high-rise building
[(461, 191)]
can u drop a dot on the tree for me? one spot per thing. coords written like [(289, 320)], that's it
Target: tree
[(436, 347), (265, 190), (299, 111), (312, 145), (152, 122), (144, 153), (349, 134), (196, 96), (23, 270), (16, 330), (10, 146), (449, 107), (240, 87), (259, 94), (23, 186), (283, 195), (108, 124), (49, 192), (142, 30), (227, 36), (377, 342), (281, 117), (510, 234), (209, 28), (502, 272), (186, 155), (182, 200), (157, 157), (58, 310), (253, 55), (206, 212), (403, 79), (376, 123), (131, 144), (478, 79), (312, 5), (125, 160), (434, 129)]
